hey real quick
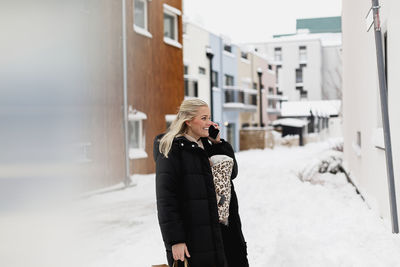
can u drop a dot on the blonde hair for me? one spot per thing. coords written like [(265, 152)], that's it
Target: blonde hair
[(187, 111)]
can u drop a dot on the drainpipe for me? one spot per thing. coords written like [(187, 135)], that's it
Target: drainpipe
[(385, 115), (260, 73), (127, 180), (210, 55)]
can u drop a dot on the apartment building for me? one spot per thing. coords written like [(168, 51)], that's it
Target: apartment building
[(308, 63), (364, 148), (155, 74)]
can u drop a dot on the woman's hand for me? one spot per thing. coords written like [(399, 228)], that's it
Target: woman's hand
[(179, 251), (218, 138)]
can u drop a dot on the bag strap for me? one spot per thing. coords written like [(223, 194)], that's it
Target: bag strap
[(176, 263)]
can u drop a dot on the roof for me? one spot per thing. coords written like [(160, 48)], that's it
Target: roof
[(320, 25), (303, 108), (290, 122), (326, 39)]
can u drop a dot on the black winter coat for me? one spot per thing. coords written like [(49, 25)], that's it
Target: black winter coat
[(187, 206)]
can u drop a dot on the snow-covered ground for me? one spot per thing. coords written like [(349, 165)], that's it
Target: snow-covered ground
[(286, 222)]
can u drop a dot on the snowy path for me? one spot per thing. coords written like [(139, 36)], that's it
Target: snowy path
[(286, 222)]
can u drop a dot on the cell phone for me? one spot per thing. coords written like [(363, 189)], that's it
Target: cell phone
[(213, 132)]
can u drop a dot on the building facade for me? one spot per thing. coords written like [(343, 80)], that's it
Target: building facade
[(99, 70), (308, 63), (364, 150), (235, 81), (155, 74), (260, 65), (196, 64), (248, 88)]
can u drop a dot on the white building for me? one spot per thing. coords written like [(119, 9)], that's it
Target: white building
[(308, 62), (363, 134), (196, 64)]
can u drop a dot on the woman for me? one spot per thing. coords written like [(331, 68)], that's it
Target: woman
[(186, 198)]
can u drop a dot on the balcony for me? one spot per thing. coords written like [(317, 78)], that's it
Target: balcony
[(273, 111), (240, 98), (274, 97), (191, 86)]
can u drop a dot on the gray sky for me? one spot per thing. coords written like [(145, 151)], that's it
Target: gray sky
[(256, 20)]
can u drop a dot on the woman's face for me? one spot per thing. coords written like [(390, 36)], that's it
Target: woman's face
[(198, 126)]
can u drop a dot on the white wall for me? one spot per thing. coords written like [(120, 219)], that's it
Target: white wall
[(290, 62), (194, 55), (361, 102)]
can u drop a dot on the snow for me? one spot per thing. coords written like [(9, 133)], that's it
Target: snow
[(172, 9), (317, 220), (137, 153), (290, 122), (302, 108), (136, 115)]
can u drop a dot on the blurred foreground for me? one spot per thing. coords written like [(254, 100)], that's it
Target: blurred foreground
[(292, 215)]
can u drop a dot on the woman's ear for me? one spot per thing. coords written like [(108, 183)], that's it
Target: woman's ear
[(187, 123)]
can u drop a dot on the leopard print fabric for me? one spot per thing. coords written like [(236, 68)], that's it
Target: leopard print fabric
[(222, 170)]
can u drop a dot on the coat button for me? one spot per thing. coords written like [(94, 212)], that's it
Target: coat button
[(181, 144), (192, 145)]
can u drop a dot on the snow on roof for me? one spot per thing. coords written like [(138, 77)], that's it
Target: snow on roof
[(303, 108), (170, 117), (233, 105), (136, 115), (290, 122), (192, 22)]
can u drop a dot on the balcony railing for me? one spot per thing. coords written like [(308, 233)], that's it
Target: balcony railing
[(230, 96), (236, 97), (191, 87)]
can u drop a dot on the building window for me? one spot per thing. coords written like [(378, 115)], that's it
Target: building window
[(229, 96), (136, 134), (254, 100), (244, 55), (202, 70), (302, 53), (229, 80), (270, 90), (140, 14), (255, 86), (228, 48), (185, 69), (277, 72), (278, 54), (303, 94), (271, 103), (269, 66), (191, 88), (241, 97), (170, 26), (215, 79), (299, 75), (359, 139)]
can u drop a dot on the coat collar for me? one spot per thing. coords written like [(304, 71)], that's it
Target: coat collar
[(183, 142)]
